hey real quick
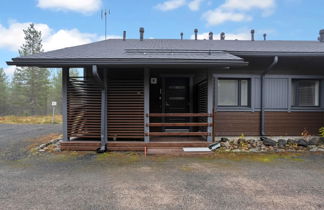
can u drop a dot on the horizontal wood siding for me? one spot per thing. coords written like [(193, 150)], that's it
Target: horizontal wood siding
[(83, 108), (276, 123), (126, 104), (293, 123), (236, 123)]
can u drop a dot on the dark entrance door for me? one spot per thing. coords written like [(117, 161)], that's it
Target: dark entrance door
[(176, 99)]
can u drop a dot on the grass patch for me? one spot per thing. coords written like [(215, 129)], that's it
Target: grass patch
[(38, 119)]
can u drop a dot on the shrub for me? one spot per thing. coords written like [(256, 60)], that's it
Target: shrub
[(321, 131)]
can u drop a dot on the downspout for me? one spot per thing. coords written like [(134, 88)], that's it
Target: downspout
[(101, 82), (273, 64)]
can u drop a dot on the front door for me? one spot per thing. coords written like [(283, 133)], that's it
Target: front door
[(176, 99)]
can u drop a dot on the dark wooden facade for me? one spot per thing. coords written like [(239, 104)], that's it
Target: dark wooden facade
[(276, 123)]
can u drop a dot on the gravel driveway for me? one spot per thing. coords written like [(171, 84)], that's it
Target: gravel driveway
[(85, 180), (14, 138)]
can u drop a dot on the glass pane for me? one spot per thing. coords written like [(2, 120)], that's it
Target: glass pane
[(227, 92), (244, 92), (306, 92)]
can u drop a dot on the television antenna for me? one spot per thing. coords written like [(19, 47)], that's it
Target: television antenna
[(104, 14)]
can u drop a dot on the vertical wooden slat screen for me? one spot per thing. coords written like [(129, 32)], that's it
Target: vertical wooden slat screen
[(125, 104), (202, 101), (83, 107)]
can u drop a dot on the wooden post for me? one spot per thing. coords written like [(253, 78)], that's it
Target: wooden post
[(210, 100), (65, 78), (146, 104)]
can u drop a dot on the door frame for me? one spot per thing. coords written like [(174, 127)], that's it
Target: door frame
[(190, 78)]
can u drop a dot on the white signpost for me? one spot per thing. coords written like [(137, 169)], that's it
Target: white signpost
[(54, 103)]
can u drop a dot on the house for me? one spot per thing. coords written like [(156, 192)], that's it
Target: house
[(151, 89)]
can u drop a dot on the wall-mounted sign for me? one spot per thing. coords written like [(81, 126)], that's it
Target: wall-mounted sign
[(153, 80)]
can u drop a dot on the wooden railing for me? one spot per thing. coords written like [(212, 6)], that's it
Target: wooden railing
[(180, 124)]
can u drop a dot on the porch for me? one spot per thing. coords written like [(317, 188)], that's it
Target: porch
[(145, 108)]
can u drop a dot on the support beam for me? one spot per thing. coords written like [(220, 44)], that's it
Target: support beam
[(103, 116), (210, 99), (65, 78), (146, 104)]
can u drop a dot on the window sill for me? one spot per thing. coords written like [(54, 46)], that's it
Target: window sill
[(238, 109)]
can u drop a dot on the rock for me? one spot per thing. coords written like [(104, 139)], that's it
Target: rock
[(268, 142), (41, 150), (291, 141), (282, 143), (322, 140), (236, 150), (314, 141), (57, 150), (254, 150), (224, 139), (226, 144), (302, 143), (42, 146)]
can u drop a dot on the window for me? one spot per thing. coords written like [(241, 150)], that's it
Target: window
[(305, 92), (233, 92)]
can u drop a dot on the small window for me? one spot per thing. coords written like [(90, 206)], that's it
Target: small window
[(233, 92), (305, 92)]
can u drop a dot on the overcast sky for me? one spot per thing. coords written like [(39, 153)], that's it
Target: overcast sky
[(72, 22)]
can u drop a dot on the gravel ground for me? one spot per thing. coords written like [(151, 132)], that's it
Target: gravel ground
[(14, 138), (85, 180)]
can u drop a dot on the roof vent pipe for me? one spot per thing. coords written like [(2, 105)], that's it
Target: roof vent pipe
[(252, 34), (222, 36), (181, 35), (321, 37), (141, 30), (124, 35), (265, 37), (211, 36), (196, 34)]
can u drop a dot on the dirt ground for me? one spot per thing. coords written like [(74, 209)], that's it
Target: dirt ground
[(85, 180)]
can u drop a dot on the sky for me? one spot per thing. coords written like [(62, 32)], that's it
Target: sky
[(66, 23)]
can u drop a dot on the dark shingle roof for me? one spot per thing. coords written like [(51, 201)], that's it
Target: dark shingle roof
[(162, 50)]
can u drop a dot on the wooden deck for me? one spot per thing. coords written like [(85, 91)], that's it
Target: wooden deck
[(156, 147)]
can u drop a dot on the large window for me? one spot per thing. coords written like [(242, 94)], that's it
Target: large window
[(305, 92), (233, 92)]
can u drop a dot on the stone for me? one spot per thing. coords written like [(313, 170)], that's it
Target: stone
[(41, 150), (291, 141), (302, 143), (282, 143), (226, 144), (254, 150), (322, 140), (268, 142), (314, 141), (223, 139), (236, 150), (42, 146)]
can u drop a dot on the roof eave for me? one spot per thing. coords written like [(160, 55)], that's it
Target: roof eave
[(138, 62)]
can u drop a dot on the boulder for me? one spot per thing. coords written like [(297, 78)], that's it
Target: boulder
[(268, 142), (302, 143), (282, 143), (314, 141)]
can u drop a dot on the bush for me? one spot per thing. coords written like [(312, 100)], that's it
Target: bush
[(321, 131)]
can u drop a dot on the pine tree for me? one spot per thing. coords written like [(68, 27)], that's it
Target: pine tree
[(31, 84), (3, 92)]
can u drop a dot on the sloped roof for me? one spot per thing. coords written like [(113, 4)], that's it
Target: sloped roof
[(171, 51)]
